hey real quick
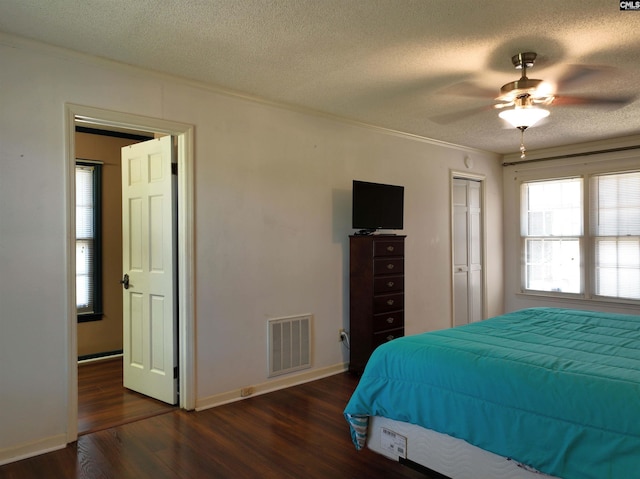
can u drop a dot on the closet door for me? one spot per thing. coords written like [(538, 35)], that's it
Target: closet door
[(467, 251)]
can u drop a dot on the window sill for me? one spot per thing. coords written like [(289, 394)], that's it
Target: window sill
[(568, 299), (88, 317)]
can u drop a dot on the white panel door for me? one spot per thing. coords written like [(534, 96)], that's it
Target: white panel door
[(475, 250), (467, 251), (460, 253), (149, 305)]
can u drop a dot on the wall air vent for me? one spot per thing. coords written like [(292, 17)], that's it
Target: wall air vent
[(289, 344)]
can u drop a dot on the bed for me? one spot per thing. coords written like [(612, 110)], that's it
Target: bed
[(541, 391)]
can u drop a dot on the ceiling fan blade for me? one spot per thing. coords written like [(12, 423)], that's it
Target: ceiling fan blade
[(620, 101), (447, 118), (468, 88), (576, 75)]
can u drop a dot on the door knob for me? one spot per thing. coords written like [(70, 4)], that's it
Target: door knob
[(125, 281)]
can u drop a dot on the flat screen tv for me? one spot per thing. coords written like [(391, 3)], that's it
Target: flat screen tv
[(377, 206)]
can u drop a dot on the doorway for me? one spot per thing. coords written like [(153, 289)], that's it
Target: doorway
[(184, 139), (103, 399), (468, 249)]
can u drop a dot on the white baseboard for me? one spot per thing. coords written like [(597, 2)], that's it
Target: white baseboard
[(31, 449), (270, 386), (100, 358)]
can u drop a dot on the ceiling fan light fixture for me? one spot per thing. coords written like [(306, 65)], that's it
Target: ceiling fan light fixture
[(523, 117)]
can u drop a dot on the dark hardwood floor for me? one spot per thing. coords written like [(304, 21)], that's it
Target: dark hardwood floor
[(298, 432), (103, 402)]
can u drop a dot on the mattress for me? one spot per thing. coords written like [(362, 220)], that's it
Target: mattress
[(444, 454), (555, 389)]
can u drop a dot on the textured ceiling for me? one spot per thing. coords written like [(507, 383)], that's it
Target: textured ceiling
[(396, 64)]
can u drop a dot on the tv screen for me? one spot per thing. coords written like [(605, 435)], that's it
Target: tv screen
[(377, 206)]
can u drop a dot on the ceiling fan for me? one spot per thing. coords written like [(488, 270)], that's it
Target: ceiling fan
[(522, 102), (524, 95)]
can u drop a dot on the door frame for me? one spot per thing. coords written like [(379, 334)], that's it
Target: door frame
[(185, 262), (454, 174)]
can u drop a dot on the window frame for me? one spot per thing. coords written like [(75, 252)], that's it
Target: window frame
[(580, 238), (98, 312), (587, 240), (593, 240)]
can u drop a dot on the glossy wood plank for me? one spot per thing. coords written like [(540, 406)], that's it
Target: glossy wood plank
[(297, 433), (103, 402)]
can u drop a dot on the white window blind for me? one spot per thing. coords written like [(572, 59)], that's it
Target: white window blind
[(615, 228), (85, 238)]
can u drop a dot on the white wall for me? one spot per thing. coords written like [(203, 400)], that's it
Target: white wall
[(272, 207)]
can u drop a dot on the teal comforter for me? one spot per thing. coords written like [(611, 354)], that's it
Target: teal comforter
[(555, 389)]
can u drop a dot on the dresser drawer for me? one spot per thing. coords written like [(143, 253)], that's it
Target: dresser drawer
[(388, 284), (388, 266), (380, 338), (388, 248), (388, 302), (392, 320)]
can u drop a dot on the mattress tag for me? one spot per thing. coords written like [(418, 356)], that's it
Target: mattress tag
[(393, 442)]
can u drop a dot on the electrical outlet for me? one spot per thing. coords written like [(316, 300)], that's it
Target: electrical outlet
[(341, 334)]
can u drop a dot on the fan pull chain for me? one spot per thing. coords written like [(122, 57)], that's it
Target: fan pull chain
[(523, 150)]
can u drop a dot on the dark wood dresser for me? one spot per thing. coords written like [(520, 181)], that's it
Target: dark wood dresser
[(376, 294)]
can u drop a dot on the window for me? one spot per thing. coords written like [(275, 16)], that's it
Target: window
[(615, 227), (552, 231), (88, 244), (559, 257)]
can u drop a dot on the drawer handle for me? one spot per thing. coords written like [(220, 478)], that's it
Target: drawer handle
[(390, 284), (390, 337), (390, 248), (390, 320), (390, 266), (390, 302)]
